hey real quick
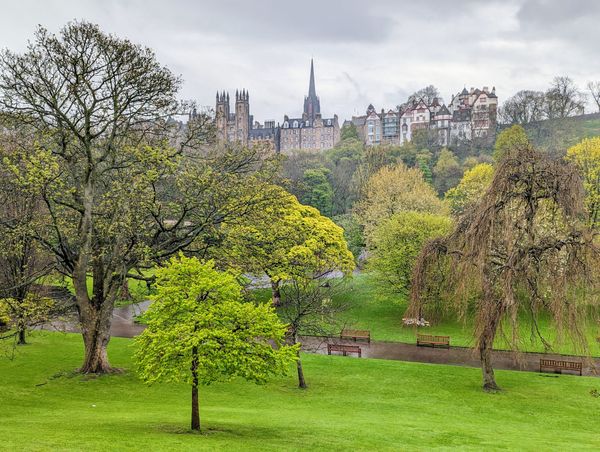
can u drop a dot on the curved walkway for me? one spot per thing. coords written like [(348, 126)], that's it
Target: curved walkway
[(124, 326), (458, 356)]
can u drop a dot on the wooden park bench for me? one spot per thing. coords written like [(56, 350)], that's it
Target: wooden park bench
[(356, 334), (345, 349), (433, 341), (558, 366)]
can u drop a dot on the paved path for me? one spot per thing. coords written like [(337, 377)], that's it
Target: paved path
[(458, 356), (124, 326)]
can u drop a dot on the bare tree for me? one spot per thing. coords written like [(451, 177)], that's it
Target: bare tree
[(524, 107), (309, 309), (564, 99), (524, 248), (427, 94), (594, 89), (125, 185)]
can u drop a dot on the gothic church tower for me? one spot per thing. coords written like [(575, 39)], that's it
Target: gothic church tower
[(312, 106)]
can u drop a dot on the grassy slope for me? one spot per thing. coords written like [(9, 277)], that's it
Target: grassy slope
[(557, 135), (351, 404), (370, 308)]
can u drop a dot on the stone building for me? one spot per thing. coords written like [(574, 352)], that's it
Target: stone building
[(471, 115), (239, 126), (309, 132), (378, 128)]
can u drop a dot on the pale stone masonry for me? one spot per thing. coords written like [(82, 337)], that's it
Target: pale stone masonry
[(470, 115), (310, 132)]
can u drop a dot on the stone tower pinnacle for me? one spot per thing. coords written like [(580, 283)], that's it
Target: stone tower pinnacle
[(312, 106)]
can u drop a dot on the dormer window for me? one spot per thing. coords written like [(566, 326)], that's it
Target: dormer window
[(295, 124), (329, 122), (307, 123), (286, 125)]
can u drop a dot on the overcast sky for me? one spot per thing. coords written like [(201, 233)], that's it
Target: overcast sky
[(376, 51)]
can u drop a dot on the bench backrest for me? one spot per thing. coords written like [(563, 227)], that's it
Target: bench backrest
[(560, 364), (356, 332), (430, 337), (341, 348)]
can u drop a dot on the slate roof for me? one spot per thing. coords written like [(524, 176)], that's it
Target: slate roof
[(443, 111)]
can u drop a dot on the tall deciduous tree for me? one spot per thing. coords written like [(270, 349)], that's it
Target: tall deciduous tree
[(200, 331), (122, 195), (22, 260), (286, 239), (511, 138), (395, 189), (524, 247), (447, 171), (586, 155), (594, 89), (524, 107), (397, 242), (563, 99)]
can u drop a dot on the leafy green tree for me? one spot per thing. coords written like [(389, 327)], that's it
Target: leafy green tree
[(353, 233), (349, 132), (392, 190), (124, 185), (283, 240), (319, 193), (511, 138), (447, 171), (200, 331), (586, 155), (470, 188), (343, 161), (397, 242), (423, 165), (22, 260)]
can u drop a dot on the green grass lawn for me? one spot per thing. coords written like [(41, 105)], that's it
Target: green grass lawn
[(352, 404), (371, 308)]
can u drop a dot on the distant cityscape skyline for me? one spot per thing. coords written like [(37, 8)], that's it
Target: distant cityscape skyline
[(377, 55)]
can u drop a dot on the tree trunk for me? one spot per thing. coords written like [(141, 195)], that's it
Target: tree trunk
[(276, 293), (195, 407), (301, 381), (486, 345), (21, 340), (95, 329)]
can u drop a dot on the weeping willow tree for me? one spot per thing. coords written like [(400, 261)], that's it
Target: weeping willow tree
[(522, 250)]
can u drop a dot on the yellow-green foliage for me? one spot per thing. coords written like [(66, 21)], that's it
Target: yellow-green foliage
[(512, 138), (586, 155), (470, 188), (397, 242), (286, 239), (396, 189), (198, 310)]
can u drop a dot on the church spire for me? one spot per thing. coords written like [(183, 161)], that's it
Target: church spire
[(312, 106), (311, 86)]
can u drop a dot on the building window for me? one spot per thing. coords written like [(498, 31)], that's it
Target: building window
[(295, 124)]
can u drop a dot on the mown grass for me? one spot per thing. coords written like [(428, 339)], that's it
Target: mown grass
[(352, 404)]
